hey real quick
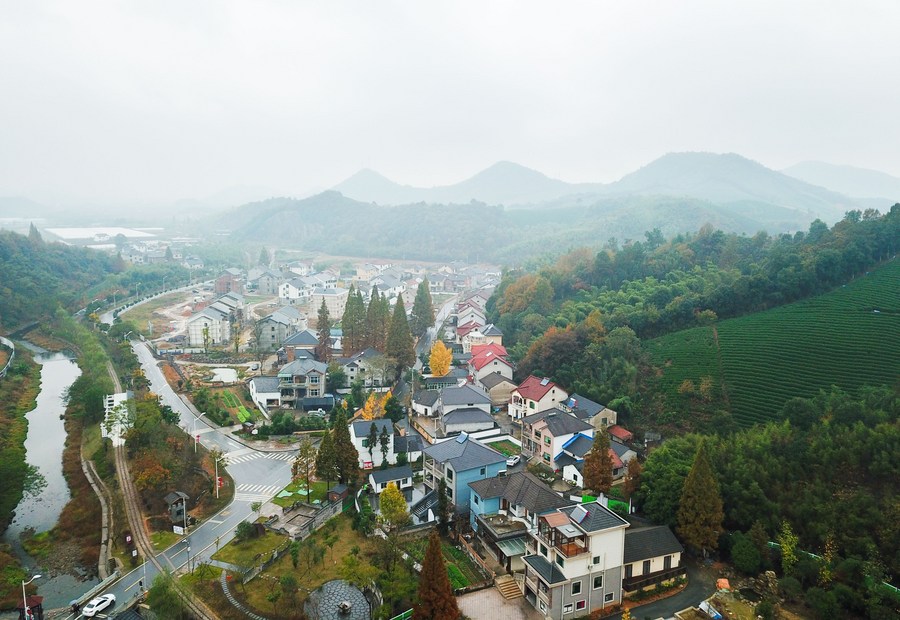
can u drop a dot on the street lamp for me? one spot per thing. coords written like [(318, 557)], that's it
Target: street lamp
[(164, 284), (194, 431), (24, 599)]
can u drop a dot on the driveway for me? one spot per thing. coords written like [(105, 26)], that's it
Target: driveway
[(701, 585), (489, 604)]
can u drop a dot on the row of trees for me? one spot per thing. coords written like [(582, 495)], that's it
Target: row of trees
[(377, 327)]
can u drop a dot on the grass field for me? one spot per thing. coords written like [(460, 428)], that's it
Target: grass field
[(317, 491), (849, 337), (505, 447)]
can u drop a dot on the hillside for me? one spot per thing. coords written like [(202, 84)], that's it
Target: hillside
[(849, 337), (848, 180), (729, 178), (503, 183)]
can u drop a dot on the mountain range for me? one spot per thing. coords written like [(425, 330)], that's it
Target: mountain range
[(860, 183)]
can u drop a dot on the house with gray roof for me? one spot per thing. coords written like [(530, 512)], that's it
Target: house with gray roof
[(209, 326), (266, 393), (544, 433), (459, 461), (359, 434), (302, 384), (462, 397), (424, 400), (652, 556), (401, 476), (464, 419), (597, 415), (504, 508)]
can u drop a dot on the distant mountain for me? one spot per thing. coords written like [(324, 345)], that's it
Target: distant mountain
[(18, 206), (730, 178), (503, 183), (849, 180)]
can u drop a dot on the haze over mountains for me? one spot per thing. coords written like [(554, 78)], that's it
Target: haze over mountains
[(860, 183)]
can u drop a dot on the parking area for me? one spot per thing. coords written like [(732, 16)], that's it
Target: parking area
[(489, 604)]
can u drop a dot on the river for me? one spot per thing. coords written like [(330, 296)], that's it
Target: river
[(44, 448)]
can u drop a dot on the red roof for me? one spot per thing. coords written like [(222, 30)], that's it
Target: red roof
[(465, 328), (616, 461), (620, 433), (498, 349), (534, 388), (486, 358)]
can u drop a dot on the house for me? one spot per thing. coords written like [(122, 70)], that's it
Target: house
[(464, 396), (652, 556), (359, 434), (335, 300), (571, 461), (229, 281), (622, 435), (369, 365), (478, 297), (300, 344), (487, 362), (463, 329), (456, 377), (533, 395), (263, 282), (544, 433), (388, 285), (504, 508), (274, 329), (574, 559), (599, 416), (401, 476), (458, 462), (209, 326), (302, 384), (498, 387), (424, 401), (265, 392), (176, 501), (485, 334), (410, 444), (464, 420), (468, 312), (293, 292)]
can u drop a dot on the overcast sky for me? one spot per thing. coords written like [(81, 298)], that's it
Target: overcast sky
[(154, 101)]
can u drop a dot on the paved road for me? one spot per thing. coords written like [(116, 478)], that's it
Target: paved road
[(424, 344), (257, 476)]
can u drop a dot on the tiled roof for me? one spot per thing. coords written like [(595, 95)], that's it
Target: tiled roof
[(306, 337), (467, 415), (464, 454), (548, 572), (483, 359), (521, 489), (620, 433), (426, 398), (558, 422), (302, 366), (650, 542), (390, 474), (464, 395), (265, 384), (534, 388), (584, 407), (494, 379), (498, 349), (599, 517), (361, 427), (407, 443), (579, 445)]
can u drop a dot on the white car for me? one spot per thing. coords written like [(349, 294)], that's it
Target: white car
[(98, 604), (513, 460)]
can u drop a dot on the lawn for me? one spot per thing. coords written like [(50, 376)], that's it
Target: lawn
[(250, 552), (254, 594), (164, 539), (318, 491), (505, 447)]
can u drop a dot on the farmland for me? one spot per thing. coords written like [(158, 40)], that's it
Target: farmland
[(848, 337)]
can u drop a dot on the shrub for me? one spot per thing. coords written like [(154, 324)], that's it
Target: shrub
[(790, 589), (745, 555), (245, 531)]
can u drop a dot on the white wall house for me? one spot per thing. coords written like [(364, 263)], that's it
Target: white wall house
[(208, 326), (359, 434)]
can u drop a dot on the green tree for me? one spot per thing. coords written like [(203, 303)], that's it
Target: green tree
[(163, 598), (304, 463), (400, 346), (788, 542), (347, 456), (326, 460), (323, 326), (422, 315), (393, 507), (264, 258), (384, 440), (353, 323), (598, 464), (744, 554), (700, 511), (375, 334), (372, 437), (436, 600), (443, 508)]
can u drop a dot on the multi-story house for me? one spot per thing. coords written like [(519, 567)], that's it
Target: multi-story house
[(458, 462), (599, 416), (574, 561), (210, 326), (294, 292), (544, 434), (533, 395), (486, 334), (302, 383), (278, 326), (335, 300), (369, 366), (371, 456), (498, 388), (652, 556), (505, 508), (487, 359), (300, 344)]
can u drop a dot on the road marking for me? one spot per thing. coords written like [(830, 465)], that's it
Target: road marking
[(258, 488), (281, 456), (251, 497), (214, 521), (234, 460), (240, 452)]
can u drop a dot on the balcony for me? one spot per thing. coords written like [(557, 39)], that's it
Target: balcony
[(571, 549), (502, 525)]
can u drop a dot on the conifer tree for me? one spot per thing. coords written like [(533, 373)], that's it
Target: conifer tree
[(436, 600), (372, 441), (598, 464), (264, 257), (440, 359), (323, 325), (700, 512), (326, 460), (384, 440), (384, 320), (400, 346), (443, 508), (34, 236), (347, 456), (422, 315), (353, 323), (373, 322), (633, 471)]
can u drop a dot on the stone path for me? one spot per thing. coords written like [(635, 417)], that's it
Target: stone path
[(224, 581)]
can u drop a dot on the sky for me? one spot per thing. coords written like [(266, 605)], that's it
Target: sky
[(142, 102)]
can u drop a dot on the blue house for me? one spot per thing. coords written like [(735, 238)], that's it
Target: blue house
[(458, 462)]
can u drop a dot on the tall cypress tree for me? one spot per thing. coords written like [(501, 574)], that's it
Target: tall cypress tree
[(347, 456), (353, 323), (700, 512), (326, 460), (373, 321), (598, 464), (323, 325), (422, 311), (400, 346), (436, 600)]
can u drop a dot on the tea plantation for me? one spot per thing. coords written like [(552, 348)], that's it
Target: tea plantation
[(849, 337)]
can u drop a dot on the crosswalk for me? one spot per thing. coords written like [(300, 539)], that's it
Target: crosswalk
[(249, 454), (280, 456), (255, 492)]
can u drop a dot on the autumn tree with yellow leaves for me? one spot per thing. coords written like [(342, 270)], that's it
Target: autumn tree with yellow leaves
[(440, 359)]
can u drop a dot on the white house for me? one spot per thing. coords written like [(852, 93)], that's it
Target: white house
[(208, 326), (401, 476), (264, 391), (359, 434), (533, 395), (294, 292)]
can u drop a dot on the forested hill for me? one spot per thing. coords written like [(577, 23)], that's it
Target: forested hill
[(582, 320), (35, 276), (332, 223)]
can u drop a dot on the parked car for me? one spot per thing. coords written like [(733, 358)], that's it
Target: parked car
[(513, 460), (98, 604)]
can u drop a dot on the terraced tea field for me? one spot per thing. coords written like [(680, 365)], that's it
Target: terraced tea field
[(849, 337)]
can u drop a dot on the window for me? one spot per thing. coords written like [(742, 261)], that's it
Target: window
[(560, 560), (449, 474), (546, 457), (543, 607), (365, 443), (580, 605), (483, 470), (667, 562), (598, 582), (628, 570), (547, 440), (538, 434), (609, 597), (314, 378), (543, 550), (576, 588), (531, 404), (645, 570), (475, 499), (567, 609), (596, 560)]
